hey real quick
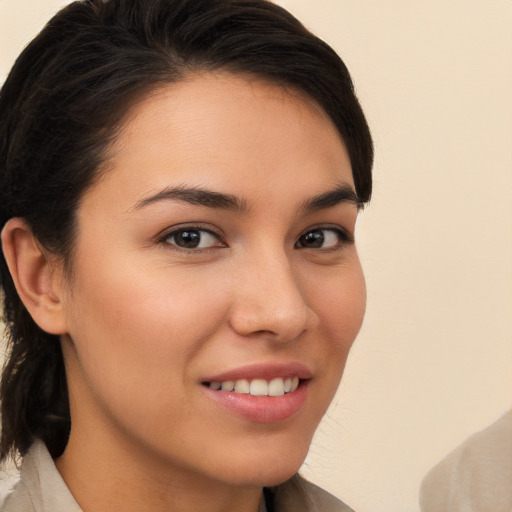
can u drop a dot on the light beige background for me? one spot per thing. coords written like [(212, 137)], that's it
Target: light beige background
[(433, 362)]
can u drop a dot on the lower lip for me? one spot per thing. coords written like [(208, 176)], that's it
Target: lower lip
[(262, 409)]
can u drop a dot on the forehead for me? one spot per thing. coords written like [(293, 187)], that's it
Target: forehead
[(226, 131)]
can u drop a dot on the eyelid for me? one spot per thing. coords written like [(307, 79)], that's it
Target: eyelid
[(346, 237), (164, 236), (333, 227)]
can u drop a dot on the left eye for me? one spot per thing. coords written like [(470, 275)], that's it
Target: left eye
[(193, 238), (321, 239)]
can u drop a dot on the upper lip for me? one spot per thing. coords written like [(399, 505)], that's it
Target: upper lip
[(267, 371)]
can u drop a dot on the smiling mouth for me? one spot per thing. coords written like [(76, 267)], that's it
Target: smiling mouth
[(257, 387)]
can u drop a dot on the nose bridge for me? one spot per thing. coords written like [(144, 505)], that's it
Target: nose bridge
[(269, 299)]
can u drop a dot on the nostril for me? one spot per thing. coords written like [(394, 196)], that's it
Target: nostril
[(265, 333)]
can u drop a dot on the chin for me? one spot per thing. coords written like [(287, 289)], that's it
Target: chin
[(279, 476), (266, 477), (267, 468)]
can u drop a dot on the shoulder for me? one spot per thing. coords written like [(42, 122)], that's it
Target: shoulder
[(299, 495), (476, 476), (24, 497), (18, 499), (40, 487)]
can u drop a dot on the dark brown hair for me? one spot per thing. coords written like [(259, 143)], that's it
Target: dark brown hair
[(60, 109)]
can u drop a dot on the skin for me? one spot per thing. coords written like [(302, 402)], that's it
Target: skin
[(143, 321)]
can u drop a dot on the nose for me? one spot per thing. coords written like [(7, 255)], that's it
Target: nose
[(269, 301)]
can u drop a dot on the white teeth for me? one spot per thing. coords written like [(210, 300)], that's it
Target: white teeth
[(258, 387), (242, 386), (276, 387), (228, 385)]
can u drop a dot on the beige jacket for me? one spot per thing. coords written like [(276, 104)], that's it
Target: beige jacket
[(476, 476), (41, 489)]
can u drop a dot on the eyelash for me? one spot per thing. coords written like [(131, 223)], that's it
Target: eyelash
[(343, 238), (192, 229)]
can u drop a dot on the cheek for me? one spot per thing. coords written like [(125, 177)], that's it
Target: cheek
[(340, 306), (135, 331), (341, 303)]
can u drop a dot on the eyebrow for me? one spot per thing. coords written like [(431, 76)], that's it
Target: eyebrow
[(197, 196), (343, 193)]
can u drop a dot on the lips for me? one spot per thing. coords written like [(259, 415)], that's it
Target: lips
[(261, 393)]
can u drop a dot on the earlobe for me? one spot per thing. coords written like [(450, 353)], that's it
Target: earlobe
[(34, 276)]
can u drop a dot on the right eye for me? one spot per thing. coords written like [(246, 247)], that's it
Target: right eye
[(193, 239)]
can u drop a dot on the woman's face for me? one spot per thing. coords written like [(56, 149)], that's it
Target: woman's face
[(217, 250)]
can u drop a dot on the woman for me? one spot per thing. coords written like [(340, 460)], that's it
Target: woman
[(180, 183)]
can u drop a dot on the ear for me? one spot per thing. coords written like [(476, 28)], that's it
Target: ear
[(34, 276)]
